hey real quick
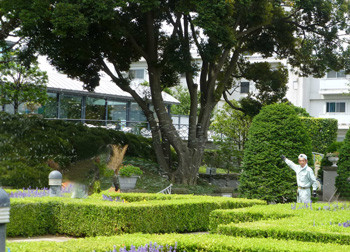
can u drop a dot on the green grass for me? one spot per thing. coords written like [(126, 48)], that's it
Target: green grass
[(203, 169)]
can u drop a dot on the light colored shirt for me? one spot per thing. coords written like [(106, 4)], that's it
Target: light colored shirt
[(305, 175)]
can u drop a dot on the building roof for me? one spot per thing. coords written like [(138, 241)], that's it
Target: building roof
[(107, 89)]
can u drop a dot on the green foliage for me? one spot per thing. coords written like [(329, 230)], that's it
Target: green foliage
[(94, 216), (341, 182), (129, 170), (322, 132), (231, 132), (319, 224), (183, 96), (19, 83), (28, 144), (276, 130), (183, 242), (271, 85)]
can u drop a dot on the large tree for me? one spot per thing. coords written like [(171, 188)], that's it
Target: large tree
[(86, 37)]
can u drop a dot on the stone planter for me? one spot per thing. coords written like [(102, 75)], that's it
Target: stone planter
[(334, 160), (127, 182)]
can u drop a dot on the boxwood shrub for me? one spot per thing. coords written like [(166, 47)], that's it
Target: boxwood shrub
[(93, 217), (324, 223), (184, 242)]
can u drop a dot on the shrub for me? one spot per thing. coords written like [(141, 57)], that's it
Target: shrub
[(341, 182), (183, 242), (322, 132), (275, 130), (129, 170), (27, 144), (93, 216)]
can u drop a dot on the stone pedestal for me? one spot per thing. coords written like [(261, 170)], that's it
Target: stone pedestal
[(329, 175)]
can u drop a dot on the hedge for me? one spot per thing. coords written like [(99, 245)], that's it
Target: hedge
[(317, 225), (184, 242), (341, 181), (322, 132), (92, 217)]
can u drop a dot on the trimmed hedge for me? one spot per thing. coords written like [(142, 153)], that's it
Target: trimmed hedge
[(92, 217), (322, 132), (317, 225), (276, 130), (185, 242), (341, 181)]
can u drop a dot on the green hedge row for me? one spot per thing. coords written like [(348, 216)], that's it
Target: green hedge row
[(185, 242), (316, 225), (93, 217), (322, 132), (28, 144), (226, 216)]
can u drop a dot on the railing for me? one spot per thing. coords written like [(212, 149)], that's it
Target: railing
[(166, 190), (134, 127)]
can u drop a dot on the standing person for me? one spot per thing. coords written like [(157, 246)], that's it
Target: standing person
[(305, 178)]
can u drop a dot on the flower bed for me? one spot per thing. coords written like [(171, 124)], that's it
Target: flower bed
[(94, 217), (319, 224), (184, 242)]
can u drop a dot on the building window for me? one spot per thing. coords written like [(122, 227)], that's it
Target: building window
[(334, 74), (244, 87), (137, 73), (70, 106), (335, 106)]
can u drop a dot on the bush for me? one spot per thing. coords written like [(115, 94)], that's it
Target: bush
[(129, 170), (184, 242), (320, 223), (92, 216), (275, 130), (341, 182), (322, 132), (28, 144)]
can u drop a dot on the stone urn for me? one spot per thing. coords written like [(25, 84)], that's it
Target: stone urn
[(128, 176), (127, 182), (334, 160)]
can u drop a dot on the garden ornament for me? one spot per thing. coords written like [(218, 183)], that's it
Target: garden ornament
[(55, 182), (305, 178)]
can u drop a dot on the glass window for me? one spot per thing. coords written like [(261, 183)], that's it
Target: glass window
[(136, 113), (116, 110), (244, 87), (335, 106), (137, 73), (95, 108), (334, 74), (49, 110), (70, 106)]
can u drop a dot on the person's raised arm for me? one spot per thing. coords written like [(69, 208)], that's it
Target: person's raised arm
[(289, 163)]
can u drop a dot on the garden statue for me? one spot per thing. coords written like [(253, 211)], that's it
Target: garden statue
[(305, 178), (115, 161)]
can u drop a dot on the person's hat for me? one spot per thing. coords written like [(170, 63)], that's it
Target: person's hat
[(302, 156)]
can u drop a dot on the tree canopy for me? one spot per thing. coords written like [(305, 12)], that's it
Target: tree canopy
[(84, 38)]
